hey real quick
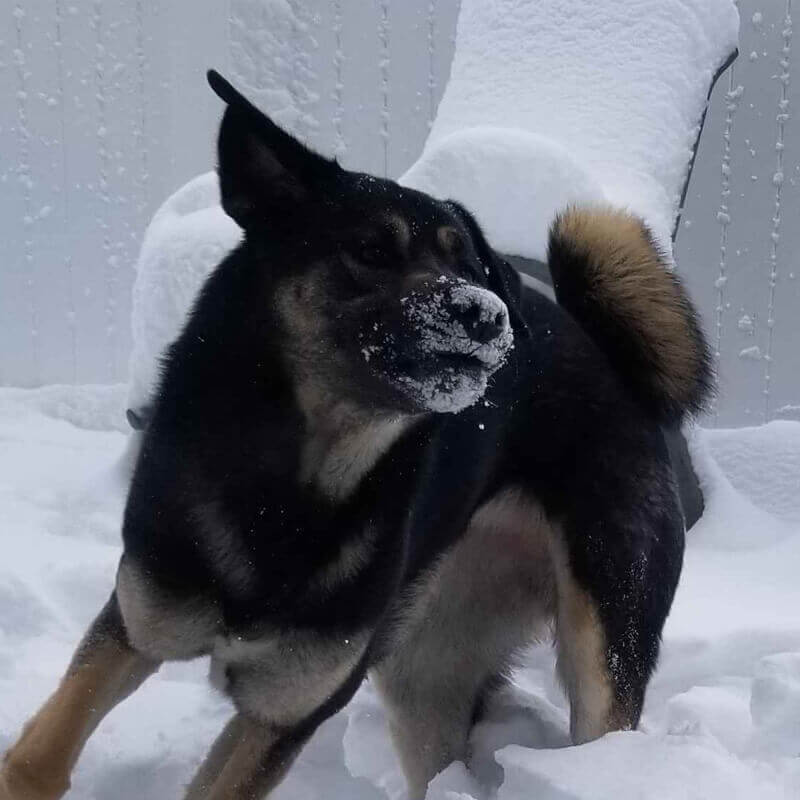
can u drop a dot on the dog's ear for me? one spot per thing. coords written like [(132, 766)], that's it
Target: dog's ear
[(502, 278), (264, 172)]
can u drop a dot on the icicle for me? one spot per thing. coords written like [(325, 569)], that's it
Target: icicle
[(303, 77), (383, 32), (732, 98), (431, 62), (109, 260), (25, 179), (338, 92), (71, 315), (140, 133), (781, 118)]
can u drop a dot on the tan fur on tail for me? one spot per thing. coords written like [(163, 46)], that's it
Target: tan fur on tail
[(611, 276)]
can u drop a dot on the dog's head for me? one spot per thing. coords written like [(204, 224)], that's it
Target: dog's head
[(387, 297)]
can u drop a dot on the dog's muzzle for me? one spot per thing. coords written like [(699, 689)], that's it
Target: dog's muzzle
[(452, 338), (461, 320)]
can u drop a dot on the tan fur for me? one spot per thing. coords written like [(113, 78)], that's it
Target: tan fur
[(462, 624), (581, 654), (343, 446), (352, 557), (283, 677), (401, 230), (238, 765), (158, 626), (216, 758), (38, 767), (449, 239), (280, 678), (631, 280), (342, 441)]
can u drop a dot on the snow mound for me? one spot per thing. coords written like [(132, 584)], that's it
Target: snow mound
[(94, 407), (188, 236), (722, 711), (514, 182), (620, 87), (635, 765), (763, 464)]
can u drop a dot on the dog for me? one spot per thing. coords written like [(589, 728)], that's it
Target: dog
[(372, 450)]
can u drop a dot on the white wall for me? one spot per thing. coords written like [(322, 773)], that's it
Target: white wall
[(739, 240), (104, 111)]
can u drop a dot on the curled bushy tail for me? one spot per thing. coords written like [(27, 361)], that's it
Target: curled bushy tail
[(611, 276)]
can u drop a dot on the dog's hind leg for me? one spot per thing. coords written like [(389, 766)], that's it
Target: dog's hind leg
[(616, 562), (103, 671), (486, 598), (582, 658)]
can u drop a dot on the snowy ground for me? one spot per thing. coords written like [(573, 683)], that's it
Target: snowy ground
[(723, 713)]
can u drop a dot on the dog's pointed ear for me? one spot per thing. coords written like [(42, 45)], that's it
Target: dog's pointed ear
[(501, 277), (264, 172)]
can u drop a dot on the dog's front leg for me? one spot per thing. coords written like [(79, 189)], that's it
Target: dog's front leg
[(284, 686), (247, 761), (103, 671)]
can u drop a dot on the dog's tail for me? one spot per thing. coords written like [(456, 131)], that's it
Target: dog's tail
[(611, 276)]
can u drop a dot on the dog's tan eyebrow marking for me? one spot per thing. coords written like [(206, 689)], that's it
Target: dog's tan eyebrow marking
[(449, 239), (401, 231)]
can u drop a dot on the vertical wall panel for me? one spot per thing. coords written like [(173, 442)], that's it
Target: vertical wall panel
[(361, 44), (782, 397), (734, 238), (15, 322)]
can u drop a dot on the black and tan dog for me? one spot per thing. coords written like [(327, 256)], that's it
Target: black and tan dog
[(373, 450)]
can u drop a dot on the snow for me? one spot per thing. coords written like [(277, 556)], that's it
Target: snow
[(188, 236), (722, 717), (608, 93), (513, 181)]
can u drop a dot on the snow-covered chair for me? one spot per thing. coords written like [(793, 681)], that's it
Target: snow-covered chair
[(188, 236), (552, 102), (587, 101), (549, 103)]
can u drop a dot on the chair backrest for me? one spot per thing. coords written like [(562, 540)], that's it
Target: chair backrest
[(611, 93)]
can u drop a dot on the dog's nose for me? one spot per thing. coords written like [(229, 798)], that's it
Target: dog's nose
[(483, 315), (481, 326)]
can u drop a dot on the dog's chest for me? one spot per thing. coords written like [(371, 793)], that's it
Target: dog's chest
[(335, 461)]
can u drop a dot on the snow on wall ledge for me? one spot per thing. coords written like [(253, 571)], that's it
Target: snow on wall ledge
[(620, 87)]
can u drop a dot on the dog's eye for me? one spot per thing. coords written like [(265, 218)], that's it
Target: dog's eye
[(358, 270)]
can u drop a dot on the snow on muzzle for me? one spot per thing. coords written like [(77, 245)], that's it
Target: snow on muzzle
[(461, 335), (460, 319)]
